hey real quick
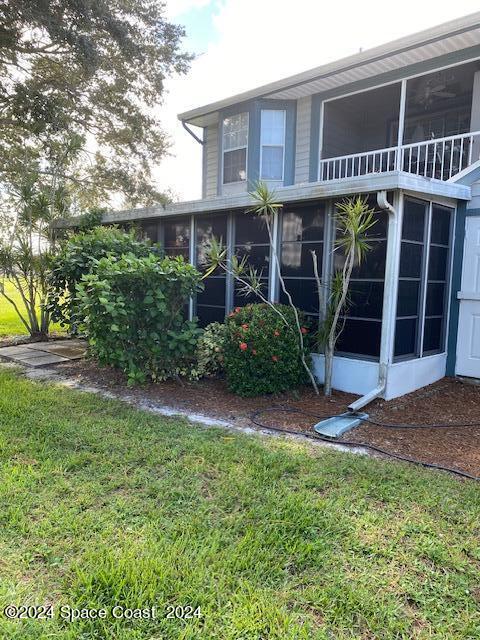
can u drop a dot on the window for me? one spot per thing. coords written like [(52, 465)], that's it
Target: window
[(437, 280), (302, 233), (211, 301), (235, 142), (362, 330), (177, 237), (252, 243), (423, 279), (272, 144), (150, 230)]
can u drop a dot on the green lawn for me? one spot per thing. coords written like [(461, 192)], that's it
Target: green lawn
[(103, 505), (10, 323)]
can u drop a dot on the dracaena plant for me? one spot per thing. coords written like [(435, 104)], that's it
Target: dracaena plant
[(354, 218), (249, 279)]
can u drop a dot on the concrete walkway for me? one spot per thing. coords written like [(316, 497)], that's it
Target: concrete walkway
[(40, 354)]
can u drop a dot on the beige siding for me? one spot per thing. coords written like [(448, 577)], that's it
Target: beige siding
[(211, 162), (302, 152)]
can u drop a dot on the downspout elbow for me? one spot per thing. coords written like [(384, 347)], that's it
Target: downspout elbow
[(384, 204), (192, 133)]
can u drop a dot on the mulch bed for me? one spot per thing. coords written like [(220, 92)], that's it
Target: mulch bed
[(448, 401)]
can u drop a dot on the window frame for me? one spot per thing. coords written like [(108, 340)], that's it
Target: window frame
[(358, 318), (203, 218), (424, 281), (447, 282), (282, 146), (224, 151), (237, 299), (324, 206)]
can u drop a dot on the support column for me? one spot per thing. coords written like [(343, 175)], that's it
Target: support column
[(320, 139), (192, 256), (230, 246), (401, 123), (475, 116), (273, 280)]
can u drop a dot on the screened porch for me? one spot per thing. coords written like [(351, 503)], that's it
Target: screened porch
[(423, 253), (428, 126)]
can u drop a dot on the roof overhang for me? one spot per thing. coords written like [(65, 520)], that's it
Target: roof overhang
[(456, 35), (394, 180)]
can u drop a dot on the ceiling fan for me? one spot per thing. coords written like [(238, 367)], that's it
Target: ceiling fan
[(430, 89)]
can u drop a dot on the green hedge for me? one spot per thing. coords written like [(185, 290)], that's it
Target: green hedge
[(133, 312), (78, 256), (262, 354)]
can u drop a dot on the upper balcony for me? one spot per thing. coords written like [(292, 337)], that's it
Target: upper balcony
[(428, 126), (439, 158)]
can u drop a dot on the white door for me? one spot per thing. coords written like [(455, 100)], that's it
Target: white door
[(468, 344)]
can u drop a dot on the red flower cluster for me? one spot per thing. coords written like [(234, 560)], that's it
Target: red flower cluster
[(275, 358), (304, 330), (276, 332), (243, 346)]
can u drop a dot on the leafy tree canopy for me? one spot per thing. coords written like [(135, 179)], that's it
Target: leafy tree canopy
[(92, 71)]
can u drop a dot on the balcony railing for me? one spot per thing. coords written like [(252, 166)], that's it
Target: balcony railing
[(440, 158)]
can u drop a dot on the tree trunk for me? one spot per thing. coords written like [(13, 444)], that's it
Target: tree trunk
[(333, 335), (327, 385)]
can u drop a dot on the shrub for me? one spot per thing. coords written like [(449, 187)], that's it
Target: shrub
[(133, 314), (211, 351), (262, 353), (77, 257)]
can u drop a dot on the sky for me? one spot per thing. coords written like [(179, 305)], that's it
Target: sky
[(241, 44)]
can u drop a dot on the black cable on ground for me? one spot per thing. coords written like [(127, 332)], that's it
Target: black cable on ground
[(421, 426), (352, 443)]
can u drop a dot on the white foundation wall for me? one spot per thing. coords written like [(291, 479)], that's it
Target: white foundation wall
[(350, 375), (408, 376), (361, 376)]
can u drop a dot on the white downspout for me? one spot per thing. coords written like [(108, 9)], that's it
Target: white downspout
[(389, 307)]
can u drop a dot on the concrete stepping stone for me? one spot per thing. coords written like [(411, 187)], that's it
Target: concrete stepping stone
[(39, 354), (8, 352), (40, 359), (71, 352)]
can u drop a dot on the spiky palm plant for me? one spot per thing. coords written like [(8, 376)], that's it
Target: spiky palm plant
[(354, 218)]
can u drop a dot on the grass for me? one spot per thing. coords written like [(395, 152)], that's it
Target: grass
[(101, 504), (10, 323)]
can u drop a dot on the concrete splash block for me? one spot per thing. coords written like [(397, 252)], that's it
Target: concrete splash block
[(336, 426)]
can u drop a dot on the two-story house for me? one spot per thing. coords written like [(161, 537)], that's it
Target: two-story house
[(400, 124)]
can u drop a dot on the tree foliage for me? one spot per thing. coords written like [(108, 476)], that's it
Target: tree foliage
[(94, 69), (78, 256), (28, 209)]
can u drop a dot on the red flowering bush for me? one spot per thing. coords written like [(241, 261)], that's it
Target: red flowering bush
[(262, 354)]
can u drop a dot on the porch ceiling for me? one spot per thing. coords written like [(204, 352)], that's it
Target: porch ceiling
[(296, 193), (449, 37)]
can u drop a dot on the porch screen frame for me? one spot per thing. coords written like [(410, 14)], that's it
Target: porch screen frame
[(424, 281)]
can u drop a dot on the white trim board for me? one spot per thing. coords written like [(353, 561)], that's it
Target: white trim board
[(391, 181)]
